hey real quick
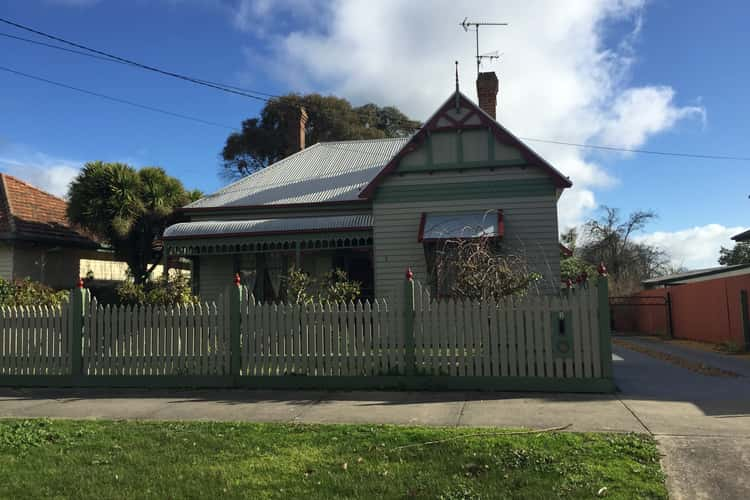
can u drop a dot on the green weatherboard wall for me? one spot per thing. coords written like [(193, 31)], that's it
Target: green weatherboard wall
[(466, 190)]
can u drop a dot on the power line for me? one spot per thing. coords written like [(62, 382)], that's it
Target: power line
[(109, 59), (116, 99), (254, 94), (641, 151), (52, 46), (123, 60)]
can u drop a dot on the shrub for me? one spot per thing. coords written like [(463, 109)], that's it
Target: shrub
[(477, 269), (334, 286), (164, 291), (29, 293)]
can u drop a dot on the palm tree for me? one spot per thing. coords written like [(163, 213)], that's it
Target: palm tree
[(127, 208)]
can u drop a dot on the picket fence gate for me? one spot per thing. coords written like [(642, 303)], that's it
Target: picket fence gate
[(554, 343)]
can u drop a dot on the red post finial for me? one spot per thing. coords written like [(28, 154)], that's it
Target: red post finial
[(409, 274), (80, 283), (237, 279), (602, 269)]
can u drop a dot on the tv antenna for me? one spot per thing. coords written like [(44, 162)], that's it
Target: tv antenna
[(467, 25)]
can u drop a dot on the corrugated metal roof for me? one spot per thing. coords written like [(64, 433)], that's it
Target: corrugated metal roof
[(324, 172), (265, 226), (697, 274), (460, 225)]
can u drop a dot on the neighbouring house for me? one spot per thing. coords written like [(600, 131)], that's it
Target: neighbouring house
[(697, 275), (743, 236), (707, 305), (38, 242), (377, 207)]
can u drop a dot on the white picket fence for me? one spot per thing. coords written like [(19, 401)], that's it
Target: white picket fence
[(361, 338), (190, 339), (509, 338), (518, 337), (34, 340)]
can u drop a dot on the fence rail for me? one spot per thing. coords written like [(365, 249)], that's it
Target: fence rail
[(536, 342)]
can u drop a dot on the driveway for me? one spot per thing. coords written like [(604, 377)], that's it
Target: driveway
[(702, 423)]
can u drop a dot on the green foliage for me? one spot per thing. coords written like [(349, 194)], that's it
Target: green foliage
[(738, 254), (572, 267), (127, 208), (23, 435), (165, 291), (130, 459), (335, 286), (264, 140), (29, 293)]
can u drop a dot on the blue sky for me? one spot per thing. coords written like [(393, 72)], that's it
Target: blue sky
[(659, 75)]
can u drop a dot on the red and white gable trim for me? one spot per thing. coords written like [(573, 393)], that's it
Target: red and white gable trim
[(460, 113)]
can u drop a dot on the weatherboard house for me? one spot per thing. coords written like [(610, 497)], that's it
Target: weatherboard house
[(377, 207)]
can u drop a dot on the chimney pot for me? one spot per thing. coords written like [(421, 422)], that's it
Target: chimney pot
[(296, 130), (487, 87)]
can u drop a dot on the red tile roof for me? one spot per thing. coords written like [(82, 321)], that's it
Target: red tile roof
[(28, 213)]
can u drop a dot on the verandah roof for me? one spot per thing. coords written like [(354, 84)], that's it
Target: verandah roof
[(239, 236)]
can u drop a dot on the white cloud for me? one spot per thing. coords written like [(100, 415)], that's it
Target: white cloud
[(640, 112), (38, 169), (693, 248), (558, 80), (252, 15)]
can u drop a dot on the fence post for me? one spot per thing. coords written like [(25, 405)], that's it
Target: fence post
[(409, 354), (745, 318), (605, 338), (235, 346), (78, 303)]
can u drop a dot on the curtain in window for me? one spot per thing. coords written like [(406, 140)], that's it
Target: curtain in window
[(248, 271), (274, 265)]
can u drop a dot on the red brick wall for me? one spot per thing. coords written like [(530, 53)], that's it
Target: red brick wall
[(707, 311)]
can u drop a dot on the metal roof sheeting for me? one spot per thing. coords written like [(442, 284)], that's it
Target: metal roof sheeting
[(324, 172), (265, 226), (699, 275), (464, 225)]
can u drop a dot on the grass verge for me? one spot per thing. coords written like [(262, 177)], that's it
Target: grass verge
[(123, 459)]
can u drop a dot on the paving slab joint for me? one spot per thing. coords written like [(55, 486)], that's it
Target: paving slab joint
[(461, 412), (635, 415), (305, 406)]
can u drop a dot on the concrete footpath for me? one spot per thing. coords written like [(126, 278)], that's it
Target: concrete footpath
[(702, 423), (585, 413)]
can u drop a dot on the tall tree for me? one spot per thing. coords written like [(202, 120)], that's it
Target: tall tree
[(127, 208), (738, 254), (609, 239), (264, 140)]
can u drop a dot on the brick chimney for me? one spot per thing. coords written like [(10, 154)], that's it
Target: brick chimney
[(487, 87), (297, 119)]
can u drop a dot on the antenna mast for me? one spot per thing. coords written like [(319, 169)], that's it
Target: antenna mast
[(466, 25)]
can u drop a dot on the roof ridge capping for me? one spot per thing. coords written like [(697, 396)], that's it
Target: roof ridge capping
[(379, 139), (562, 180)]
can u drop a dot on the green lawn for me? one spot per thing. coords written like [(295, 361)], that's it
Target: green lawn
[(106, 459)]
